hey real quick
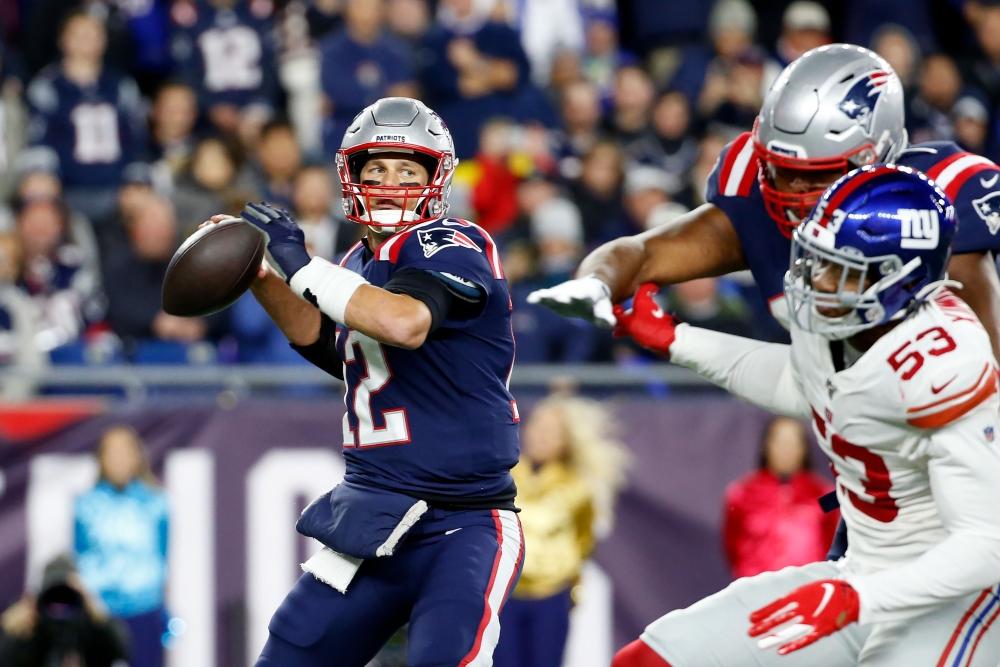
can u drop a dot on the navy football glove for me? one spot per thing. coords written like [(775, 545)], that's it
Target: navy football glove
[(285, 240)]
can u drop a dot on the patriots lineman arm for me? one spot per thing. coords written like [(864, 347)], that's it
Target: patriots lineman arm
[(704, 243)]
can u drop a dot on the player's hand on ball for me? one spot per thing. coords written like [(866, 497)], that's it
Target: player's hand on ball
[(285, 240), (646, 322), (264, 269), (818, 609), (588, 298)]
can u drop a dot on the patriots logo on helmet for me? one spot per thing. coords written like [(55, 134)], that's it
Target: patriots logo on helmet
[(859, 102), (436, 239), (988, 208)]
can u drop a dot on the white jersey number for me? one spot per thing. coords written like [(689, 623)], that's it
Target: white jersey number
[(368, 351), (232, 58), (96, 127)]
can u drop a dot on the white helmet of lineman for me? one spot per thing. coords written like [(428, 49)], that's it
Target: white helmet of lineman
[(836, 108), (397, 125)]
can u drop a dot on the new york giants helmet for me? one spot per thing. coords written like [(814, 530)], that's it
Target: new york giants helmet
[(397, 125), (884, 234), (836, 108)]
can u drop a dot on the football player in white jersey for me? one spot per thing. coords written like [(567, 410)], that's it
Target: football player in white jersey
[(898, 377)]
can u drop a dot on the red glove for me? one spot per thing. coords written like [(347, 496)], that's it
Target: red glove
[(646, 322), (819, 609)]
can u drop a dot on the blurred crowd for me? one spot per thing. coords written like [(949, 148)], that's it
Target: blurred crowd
[(123, 125)]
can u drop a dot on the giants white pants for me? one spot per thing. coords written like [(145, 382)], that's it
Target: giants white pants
[(713, 632)]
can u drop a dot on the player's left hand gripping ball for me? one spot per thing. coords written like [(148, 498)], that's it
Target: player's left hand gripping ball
[(819, 609), (646, 322), (285, 240)]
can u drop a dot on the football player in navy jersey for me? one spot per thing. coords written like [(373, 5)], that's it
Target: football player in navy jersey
[(416, 320), (835, 108)]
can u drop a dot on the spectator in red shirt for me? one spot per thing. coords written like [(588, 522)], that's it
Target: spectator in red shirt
[(772, 517)]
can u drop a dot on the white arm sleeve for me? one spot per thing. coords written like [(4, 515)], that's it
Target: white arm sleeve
[(964, 473), (759, 372)]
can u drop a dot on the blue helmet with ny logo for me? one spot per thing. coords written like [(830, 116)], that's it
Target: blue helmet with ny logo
[(876, 245)]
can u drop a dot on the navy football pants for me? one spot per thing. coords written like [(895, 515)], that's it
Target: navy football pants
[(448, 579)]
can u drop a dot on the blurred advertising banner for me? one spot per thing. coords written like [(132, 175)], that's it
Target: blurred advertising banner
[(238, 479)]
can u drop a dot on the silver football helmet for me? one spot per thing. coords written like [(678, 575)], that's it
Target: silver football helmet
[(836, 108), (397, 125)]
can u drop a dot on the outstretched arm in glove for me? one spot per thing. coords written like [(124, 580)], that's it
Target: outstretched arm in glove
[(761, 373), (700, 244)]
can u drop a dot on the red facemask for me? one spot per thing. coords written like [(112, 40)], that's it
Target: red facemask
[(787, 208)]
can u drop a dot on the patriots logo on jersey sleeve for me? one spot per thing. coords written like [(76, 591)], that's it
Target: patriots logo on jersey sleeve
[(437, 239), (859, 102), (988, 208)]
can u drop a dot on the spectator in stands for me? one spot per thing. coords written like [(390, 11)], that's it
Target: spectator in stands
[(323, 17), (89, 114), (66, 296), (213, 182), (928, 116), (581, 125), (224, 50), (805, 25), (704, 303), (326, 235), (362, 63), (669, 146), (646, 189), (38, 182), (633, 103), (567, 69), (572, 468), (473, 68), (493, 196), (120, 541), (771, 517), (604, 56), (172, 121), (863, 18), (279, 159), (709, 150), (598, 192), (701, 74), (13, 127), (409, 20), (971, 123), (134, 277), (545, 27), (897, 45), (745, 85), (17, 321), (557, 232), (983, 72), (61, 625)]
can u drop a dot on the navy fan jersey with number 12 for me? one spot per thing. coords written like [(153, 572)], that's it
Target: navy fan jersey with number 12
[(438, 420)]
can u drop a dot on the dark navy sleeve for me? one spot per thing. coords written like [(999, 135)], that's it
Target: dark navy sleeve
[(977, 207), (460, 255)]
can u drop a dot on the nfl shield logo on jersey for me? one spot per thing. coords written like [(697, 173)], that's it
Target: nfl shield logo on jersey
[(988, 432), (859, 102), (437, 239), (988, 208)]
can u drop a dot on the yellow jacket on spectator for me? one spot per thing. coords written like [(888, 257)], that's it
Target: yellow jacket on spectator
[(557, 516)]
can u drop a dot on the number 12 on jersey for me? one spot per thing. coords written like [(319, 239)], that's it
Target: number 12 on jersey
[(368, 351)]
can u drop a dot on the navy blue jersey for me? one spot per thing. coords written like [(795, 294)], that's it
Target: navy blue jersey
[(438, 420), (971, 181), (95, 130), (226, 55)]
